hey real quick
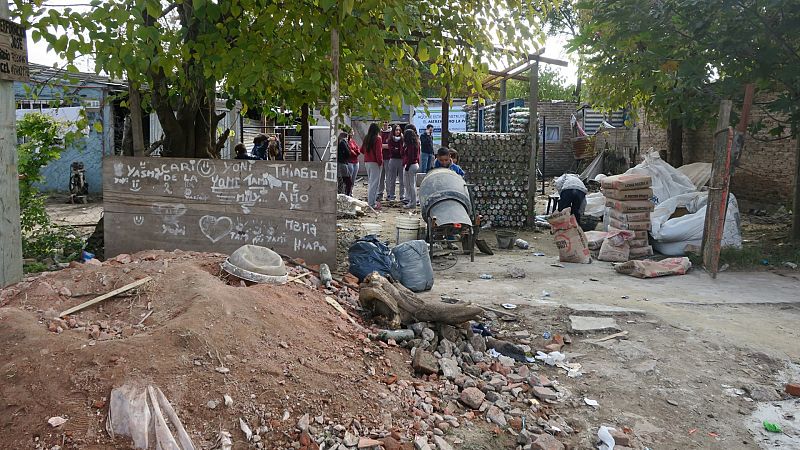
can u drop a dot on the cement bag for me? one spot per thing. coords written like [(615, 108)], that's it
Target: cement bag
[(595, 239), (616, 247), (569, 238), (595, 205), (672, 236), (143, 414), (652, 269), (668, 181), (414, 265), (368, 255)]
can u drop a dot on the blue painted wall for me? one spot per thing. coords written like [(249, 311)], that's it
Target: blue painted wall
[(89, 150)]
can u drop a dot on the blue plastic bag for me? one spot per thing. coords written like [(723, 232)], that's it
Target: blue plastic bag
[(368, 255)]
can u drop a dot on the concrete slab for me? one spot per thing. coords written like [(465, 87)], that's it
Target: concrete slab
[(585, 324), (604, 310)]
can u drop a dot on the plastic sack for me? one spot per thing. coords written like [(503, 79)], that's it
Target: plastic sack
[(595, 205), (414, 265), (145, 416), (668, 181), (569, 238), (652, 269), (368, 255), (672, 236)]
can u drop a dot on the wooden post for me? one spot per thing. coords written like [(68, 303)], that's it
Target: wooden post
[(718, 191), (446, 117), (533, 134), (135, 106), (503, 90), (10, 235), (334, 91), (305, 138), (796, 204)]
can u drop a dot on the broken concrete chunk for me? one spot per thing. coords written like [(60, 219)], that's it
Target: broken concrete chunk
[(424, 362), (584, 324), (547, 442), (450, 368), (472, 397)]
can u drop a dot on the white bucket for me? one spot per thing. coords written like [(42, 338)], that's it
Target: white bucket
[(372, 228), (407, 228)]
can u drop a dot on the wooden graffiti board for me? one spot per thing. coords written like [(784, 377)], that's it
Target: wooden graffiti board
[(219, 205)]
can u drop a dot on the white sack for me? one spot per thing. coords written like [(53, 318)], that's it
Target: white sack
[(595, 205), (668, 182)]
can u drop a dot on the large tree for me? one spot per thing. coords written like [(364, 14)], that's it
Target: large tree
[(678, 58), (268, 53)]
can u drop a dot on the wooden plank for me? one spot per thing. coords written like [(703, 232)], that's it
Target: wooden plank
[(533, 133), (720, 167), (99, 299), (10, 234), (220, 205)]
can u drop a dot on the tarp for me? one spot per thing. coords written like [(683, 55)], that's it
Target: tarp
[(699, 173)]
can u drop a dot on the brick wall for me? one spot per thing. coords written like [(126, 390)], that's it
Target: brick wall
[(559, 156), (766, 170)]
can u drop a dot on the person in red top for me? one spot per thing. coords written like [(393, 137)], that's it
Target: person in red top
[(372, 149), (386, 134), (395, 169), (353, 162), (410, 166)]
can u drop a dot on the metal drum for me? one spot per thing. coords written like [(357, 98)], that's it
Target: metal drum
[(443, 196)]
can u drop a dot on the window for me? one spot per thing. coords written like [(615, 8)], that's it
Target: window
[(552, 134)]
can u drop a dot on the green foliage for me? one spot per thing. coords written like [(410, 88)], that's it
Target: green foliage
[(552, 86), (678, 58), (44, 139), (268, 53)]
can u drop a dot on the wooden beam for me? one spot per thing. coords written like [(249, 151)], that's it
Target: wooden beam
[(99, 299), (510, 77), (533, 134), (718, 193), (10, 234)]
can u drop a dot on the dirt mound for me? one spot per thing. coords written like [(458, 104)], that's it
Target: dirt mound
[(283, 350)]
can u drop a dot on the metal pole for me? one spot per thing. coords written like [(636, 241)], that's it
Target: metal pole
[(10, 234)]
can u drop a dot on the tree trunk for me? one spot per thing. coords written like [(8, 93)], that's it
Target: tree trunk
[(135, 107), (446, 117), (796, 203), (675, 143)]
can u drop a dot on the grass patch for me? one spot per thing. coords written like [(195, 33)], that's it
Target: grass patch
[(754, 255)]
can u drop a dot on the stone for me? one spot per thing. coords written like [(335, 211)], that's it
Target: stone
[(524, 371), (428, 335), (761, 393), (545, 393), (477, 356), (449, 332), (424, 362), (390, 443), (212, 404), (450, 368), (417, 328), (496, 416), (441, 444), (421, 443), (478, 342), (303, 423), (65, 291), (585, 324), (228, 400), (56, 421), (368, 443), (472, 397), (793, 389), (547, 442), (621, 438), (524, 438), (350, 439), (446, 348)]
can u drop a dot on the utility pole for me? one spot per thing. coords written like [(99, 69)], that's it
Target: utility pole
[(533, 134), (10, 234), (334, 90)]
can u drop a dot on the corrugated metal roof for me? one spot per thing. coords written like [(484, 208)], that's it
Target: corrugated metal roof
[(46, 74)]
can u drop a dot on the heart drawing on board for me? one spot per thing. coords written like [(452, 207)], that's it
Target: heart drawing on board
[(215, 228)]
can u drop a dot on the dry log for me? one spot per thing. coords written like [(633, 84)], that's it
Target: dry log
[(403, 307)]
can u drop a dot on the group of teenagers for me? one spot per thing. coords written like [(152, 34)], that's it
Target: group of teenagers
[(264, 148), (392, 155)]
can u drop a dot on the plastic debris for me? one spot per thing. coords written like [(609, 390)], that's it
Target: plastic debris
[(224, 441), (546, 335), (396, 335), (592, 403), (483, 330), (521, 243), (772, 427), (545, 294), (486, 276), (604, 434), (228, 400), (56, 421), (538, 254), (552, 358), (509, 306), (248, 433)]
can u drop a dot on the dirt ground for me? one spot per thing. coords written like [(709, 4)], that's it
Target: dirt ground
[(701, 361), (701, 354)]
